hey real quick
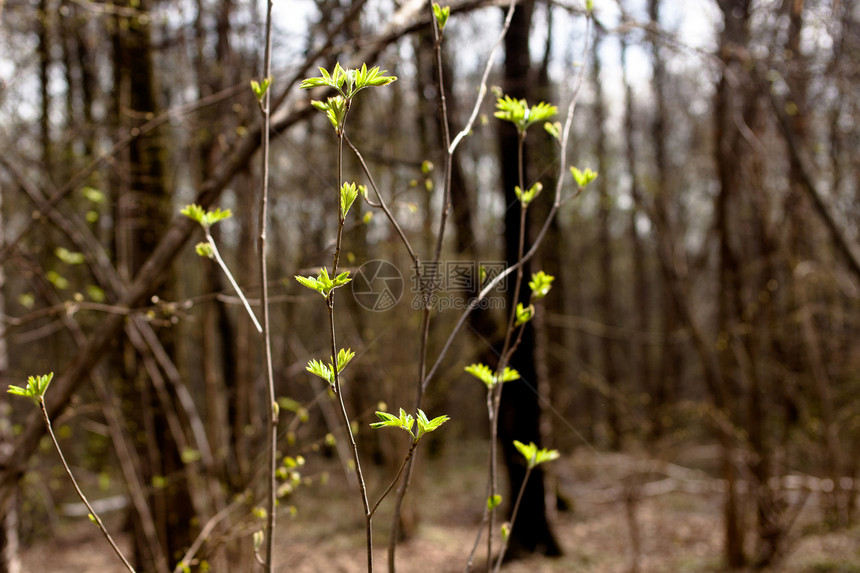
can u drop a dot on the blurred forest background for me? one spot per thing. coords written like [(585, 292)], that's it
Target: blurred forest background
[(705, 307)]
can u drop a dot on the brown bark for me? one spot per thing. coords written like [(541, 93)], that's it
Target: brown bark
[(142, 212), (729, 106), (667, 378)]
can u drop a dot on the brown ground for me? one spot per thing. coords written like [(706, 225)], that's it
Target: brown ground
[(677, 518)]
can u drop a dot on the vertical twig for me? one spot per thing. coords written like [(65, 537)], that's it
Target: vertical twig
[(271, 406), (514, 512), (450, 147), (368, 514)]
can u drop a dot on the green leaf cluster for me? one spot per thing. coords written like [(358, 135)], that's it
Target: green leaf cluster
[(36, 387), (322, 283), (583, 178), (524, 314), (441, 13), (335, 109), (483, 373), (406, 422), (260, 88), (535, 456), (526, 197), (554, 129), (518, 112), (205, 218), (347, 83), (326, 371), (540, 284), (204, 249)]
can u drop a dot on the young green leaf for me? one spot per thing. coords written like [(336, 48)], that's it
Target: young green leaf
[(583, 178), (524, 314), (322, 283), (36, 387), (320, 369), (518, 112), (509, 375), (533, 455), (204, 250), (494, 501), (553, 128), (335, 109), (260, 89), (205, 218), (526, 197), (426, 426), (483, 373), (348, 194), (372, 77), (349, 82), (441, 14), (310, 282), (344, 356), (404, 421), (540, 284), (326, 371)]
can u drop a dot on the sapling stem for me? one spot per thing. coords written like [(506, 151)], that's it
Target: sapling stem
[(94, 517), (450, 147), (217, 256), (396, 478), (506, 539), (335, 373), (382, 204), (271, 405)]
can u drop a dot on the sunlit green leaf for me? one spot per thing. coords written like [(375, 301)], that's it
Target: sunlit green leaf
[(524, 314), (518, 112), (533, 455), (540, 284), (583, 178), (441, 13)]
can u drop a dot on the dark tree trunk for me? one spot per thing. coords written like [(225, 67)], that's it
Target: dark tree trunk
[(9, 560), (519, 417), (728, 106), (664, 390), (143, 212)]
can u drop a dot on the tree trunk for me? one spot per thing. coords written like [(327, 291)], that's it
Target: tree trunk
[(666, 382), (728, 107), (519, 417), (143, 210), (9, 560)]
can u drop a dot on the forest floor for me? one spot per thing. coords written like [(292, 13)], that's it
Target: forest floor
[(676, 516)]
